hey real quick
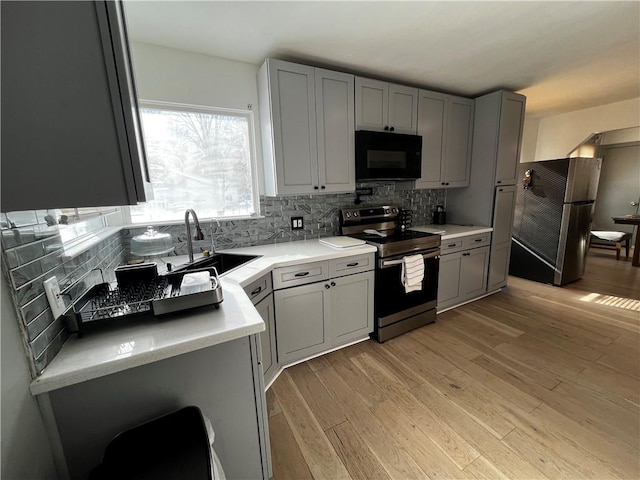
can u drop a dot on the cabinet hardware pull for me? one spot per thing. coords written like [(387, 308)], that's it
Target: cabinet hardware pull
[(354, 264), (442, 183), (391, 129), (326, 286), (302, 274), (499, 189), (451, 245), (466, 254), (256, 291), (333, 284), (315, 187), (478, 240), (499, 181), (386, 128), (322, 187)]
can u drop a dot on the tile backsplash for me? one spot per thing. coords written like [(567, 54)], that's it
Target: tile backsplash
[(320, 214), (32, 254)]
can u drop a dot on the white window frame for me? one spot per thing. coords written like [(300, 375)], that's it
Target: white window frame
[(190, 108)]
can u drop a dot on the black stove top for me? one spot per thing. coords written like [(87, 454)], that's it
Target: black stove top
[(388, 220), (392, 236)]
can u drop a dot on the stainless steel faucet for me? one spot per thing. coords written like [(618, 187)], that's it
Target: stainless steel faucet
[(198, 236)]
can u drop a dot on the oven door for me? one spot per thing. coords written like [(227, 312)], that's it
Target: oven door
[(392, 303)]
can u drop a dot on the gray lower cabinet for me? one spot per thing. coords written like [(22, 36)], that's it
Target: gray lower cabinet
[(260, 294), (301, 329), (463, 270), (317, 316), (268, 338)]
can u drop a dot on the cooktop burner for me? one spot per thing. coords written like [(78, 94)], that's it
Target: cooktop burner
[(386, 219), (396, 235)]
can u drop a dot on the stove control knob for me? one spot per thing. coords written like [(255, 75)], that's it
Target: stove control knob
[(395, 210), (387, 211), (348, 214), (355, 214)]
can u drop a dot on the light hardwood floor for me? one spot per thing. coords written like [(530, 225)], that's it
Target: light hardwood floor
[(532, 382)]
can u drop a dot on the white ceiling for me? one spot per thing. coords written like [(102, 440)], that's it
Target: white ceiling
[(563, 56)]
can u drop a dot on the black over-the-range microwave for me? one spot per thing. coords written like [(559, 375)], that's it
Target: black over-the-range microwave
[(387, 156)]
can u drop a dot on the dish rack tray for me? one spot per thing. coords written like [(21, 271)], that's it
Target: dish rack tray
[(108, 303)]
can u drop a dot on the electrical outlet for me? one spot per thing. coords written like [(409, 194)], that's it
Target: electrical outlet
[(296, 223), (56, 302)]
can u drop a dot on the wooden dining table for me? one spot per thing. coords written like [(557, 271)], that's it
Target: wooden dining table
[(632, 220)]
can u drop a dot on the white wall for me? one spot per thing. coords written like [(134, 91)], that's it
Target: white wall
[(170, 75), (26, 453), (560, 134), (529, 139)]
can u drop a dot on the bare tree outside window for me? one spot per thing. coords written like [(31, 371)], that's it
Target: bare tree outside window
[(197, 160)]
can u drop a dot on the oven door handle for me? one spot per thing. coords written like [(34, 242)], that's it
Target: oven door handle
[(391, 263)]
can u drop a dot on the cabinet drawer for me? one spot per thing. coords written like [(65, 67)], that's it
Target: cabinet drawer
[(474, 241), (349, 265), (285, 277), (450, 246), (259, 289)]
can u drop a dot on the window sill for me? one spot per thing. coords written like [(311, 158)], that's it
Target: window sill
[(75, 248), (159, 223)]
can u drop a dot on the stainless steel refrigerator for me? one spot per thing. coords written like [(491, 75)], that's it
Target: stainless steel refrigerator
[(552, 220)]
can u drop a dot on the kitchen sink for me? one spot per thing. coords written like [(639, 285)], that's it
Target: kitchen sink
[(223, 262)]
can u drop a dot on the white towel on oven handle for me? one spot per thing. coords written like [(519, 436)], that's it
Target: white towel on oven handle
[(412, 273)]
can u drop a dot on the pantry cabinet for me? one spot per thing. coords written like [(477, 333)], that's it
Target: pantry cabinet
[(503, 209), (386, 107), (71, 132), (327, 304), (445, 123), (307, 121)]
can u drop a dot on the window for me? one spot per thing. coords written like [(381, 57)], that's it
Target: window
[(200, 158)]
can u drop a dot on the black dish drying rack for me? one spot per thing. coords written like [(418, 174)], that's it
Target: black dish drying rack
[(138, 296)]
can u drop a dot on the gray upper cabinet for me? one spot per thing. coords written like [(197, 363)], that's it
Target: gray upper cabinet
[(510, 139), (307, 122), (71, 133), (445, 123), (386, 107), (335, 112)]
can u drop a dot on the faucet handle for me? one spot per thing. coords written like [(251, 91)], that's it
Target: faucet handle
[(199, 235)]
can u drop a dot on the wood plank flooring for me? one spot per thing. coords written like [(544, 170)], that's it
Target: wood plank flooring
[(533, 382)]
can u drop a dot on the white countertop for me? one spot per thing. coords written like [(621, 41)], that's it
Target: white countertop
[(111, 351), (448, 231)]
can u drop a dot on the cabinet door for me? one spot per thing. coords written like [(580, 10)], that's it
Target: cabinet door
[(335, 128), (473, 273), (503, 209), (351, 307), (499, 266), (372, 104), (70, 131), (294, 127), (449, 280), (403, 109), (267, 338), (510, 138), (431, 125), (300, 314), (459, 134)]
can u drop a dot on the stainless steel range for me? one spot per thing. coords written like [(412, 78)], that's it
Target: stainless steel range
[(396, 310)]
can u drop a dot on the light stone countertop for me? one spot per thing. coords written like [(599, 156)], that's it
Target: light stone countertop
[(449, 232), (105, 352)]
